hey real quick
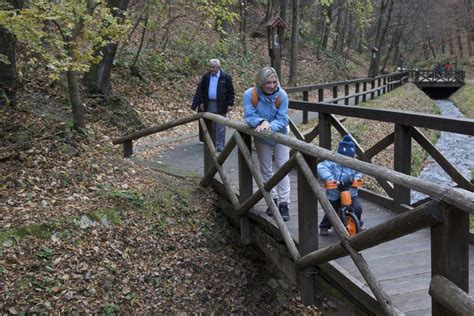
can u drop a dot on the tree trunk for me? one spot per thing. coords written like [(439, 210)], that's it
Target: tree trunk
[(451, 46), (268, 10), (469, 42), (97, 79), (337, 28), (431, 47), (284, 17), (350, 36), (133, 66), (75, 99), (8, 72), (374, 67), (243, 25), (380, 35), (460, 48), (294, 43), (342, 40), (469, 26), (327, 28)]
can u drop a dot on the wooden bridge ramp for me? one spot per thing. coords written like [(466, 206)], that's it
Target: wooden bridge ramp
[(400, 270), (402, 266)]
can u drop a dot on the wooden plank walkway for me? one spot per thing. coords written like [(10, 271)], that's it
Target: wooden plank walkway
[(402, 266)]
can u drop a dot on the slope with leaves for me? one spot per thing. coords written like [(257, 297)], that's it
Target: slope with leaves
[(83, 230)]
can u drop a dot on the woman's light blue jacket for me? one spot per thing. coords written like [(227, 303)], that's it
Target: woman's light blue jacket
[(266, 110)]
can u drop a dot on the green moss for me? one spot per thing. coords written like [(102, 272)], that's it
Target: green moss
[(45, 253), (9, 236), (111, 214), (464, 100), (24, 283)]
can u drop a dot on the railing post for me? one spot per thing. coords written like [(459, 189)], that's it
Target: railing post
[(346, 93), (364, 89), (384, 90), (245, 189), (128, 148), (450, 251), (334, 93), (207, 153), (372, 87), (320, 95), (325, 130), (305, 113), (357, 90), (379, 84), (402, 161), (307, 230)]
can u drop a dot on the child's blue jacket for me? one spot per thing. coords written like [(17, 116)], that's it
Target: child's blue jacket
[(330, 170)]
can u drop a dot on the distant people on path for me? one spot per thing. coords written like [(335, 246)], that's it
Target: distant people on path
[(333, 171), (266, 109), (214, 94), (448, 67), (438, 70)]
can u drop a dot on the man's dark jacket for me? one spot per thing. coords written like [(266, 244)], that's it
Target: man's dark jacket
[(225, 92)]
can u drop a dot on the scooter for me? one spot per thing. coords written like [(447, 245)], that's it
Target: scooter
[(346, 212)]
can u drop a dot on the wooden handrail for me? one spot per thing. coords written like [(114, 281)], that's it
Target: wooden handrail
[(451, 296), (339, 83), (266, 195), (454, 201), (230, 193), (411, 221), (461, 198), (456, 125), (441, 160), (343, 235), (156, 129)]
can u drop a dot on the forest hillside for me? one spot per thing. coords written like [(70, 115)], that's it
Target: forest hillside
[(84, 230)]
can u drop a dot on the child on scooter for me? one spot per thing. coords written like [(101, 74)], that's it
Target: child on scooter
[(333, 171)]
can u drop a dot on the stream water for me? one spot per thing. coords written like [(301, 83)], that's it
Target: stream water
[(458, 150)]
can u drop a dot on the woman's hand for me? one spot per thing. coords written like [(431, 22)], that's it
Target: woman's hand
[(264, 126)]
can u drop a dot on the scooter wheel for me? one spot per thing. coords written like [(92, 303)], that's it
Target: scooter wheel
[(352, 224)]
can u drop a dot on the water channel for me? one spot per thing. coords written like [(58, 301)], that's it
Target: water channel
[(458, 150)]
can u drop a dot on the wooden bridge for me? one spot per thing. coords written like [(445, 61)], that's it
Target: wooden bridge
[(425, 78), (412, 259)]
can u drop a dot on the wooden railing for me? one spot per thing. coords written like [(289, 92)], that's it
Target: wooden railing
[(450, 296), (431, 76), (356, 89), (406, 127), (447, 214)]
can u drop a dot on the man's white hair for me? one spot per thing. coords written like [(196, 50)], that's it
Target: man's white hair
[(214, 62)]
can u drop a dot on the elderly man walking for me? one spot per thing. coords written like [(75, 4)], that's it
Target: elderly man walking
[(215, 94)]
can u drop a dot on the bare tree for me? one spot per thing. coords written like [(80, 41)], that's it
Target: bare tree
[(133, 67), (284, 17), (97, 79), (294, 43), (243, 25), (385, 13), (8, 71)]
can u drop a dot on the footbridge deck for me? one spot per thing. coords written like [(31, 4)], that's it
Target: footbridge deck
[(402, 266)]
